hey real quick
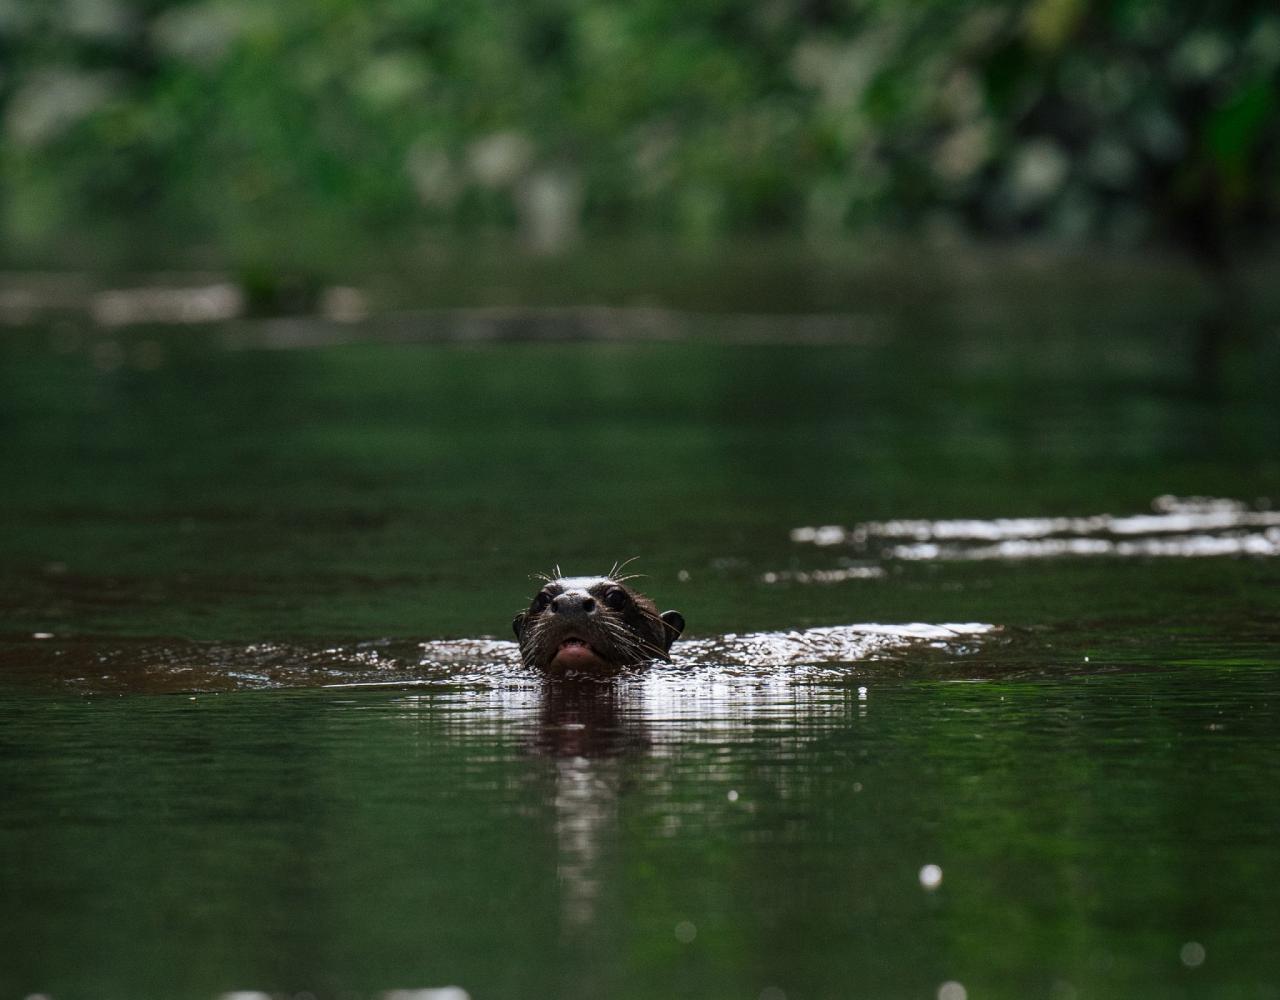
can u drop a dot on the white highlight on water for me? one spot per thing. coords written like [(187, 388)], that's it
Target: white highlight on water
[(1179, 527), (823, 575), (829, 644)]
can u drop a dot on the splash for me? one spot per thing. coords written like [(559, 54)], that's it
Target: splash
[(166, 665)]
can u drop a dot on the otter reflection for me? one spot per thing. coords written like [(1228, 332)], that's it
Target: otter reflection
[(600, 734), (589, 728), (588, 718)]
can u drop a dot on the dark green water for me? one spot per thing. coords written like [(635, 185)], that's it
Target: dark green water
[(200, 531)]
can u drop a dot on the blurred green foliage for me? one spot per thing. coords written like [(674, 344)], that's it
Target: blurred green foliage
[(252, 125)]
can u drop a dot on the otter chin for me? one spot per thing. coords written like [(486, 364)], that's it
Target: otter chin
[(594, 625)]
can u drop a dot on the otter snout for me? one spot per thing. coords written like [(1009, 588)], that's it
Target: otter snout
[(573, 604)]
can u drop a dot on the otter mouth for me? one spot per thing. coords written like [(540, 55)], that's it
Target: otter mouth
[(575, 653)]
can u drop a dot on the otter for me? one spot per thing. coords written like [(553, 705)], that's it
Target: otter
[(590, 624)]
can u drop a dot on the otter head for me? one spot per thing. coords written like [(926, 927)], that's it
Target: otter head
[(593, 624)]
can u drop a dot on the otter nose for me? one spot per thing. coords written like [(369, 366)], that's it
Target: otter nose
[(573, 603)]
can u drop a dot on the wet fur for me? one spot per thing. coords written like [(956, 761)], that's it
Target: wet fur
[(633, 634)]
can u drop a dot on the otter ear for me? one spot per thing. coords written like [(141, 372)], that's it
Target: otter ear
[(674, 622), (517, 624)]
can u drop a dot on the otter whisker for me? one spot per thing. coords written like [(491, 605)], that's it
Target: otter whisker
[(634, 642), (618, 567)]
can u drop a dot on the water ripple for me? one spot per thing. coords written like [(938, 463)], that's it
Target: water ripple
[(158, 665), (1177, 527)]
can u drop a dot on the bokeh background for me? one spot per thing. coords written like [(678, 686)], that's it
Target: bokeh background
[(343, 317), (256, 135)]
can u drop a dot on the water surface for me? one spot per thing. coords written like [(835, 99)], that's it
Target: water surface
[(263, 728)]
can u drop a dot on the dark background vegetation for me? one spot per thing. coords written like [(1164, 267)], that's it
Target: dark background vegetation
[(1018, 232), (263, 133)]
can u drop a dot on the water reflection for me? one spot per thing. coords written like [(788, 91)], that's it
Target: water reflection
[(728, 822), (584, 729), (605, 739)]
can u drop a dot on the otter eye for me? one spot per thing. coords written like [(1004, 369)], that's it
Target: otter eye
[(616, 598), (541, 601)]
